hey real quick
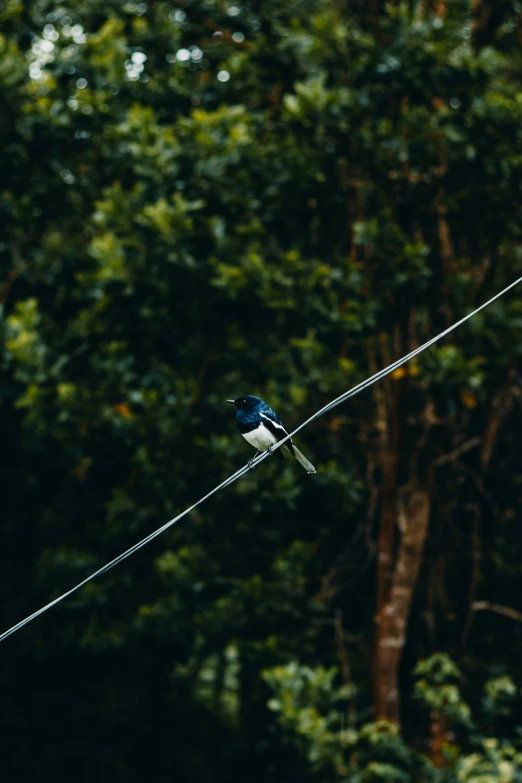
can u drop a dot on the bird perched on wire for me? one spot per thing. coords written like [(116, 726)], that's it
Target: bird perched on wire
[(262, 428)]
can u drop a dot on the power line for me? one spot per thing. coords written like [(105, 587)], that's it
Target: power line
[(230, 480)]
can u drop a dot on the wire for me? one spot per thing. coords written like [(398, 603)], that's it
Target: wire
[(241, 472)]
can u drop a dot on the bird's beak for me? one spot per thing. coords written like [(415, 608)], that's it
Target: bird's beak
[(232, 402)]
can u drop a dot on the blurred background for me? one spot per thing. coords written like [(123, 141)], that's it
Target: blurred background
[(208, 198)]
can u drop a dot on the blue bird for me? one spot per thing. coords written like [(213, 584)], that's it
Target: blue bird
[(262, 428)]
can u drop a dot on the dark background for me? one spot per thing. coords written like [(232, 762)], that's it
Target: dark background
[(205, 199)]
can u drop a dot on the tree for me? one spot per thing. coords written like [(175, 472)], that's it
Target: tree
[(202, 200)]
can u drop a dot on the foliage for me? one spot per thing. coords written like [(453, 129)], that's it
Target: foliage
[(201, 199), (309, 707)]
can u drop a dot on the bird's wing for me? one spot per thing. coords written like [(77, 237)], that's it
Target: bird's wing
[(267, 410), (273, 423)]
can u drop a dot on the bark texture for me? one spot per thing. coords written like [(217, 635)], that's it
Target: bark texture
[(393, 613)]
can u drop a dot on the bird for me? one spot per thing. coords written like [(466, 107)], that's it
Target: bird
[(262, 428)]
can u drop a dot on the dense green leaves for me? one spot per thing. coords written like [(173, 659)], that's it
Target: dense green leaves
[(205, 199)]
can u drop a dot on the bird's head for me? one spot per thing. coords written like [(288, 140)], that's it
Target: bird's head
[(246, 403)]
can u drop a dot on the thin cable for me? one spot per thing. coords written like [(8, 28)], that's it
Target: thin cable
[(387, 370), (355, 390)]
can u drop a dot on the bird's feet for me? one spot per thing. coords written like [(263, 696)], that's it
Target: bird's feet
[(252, 461), (269, 449)]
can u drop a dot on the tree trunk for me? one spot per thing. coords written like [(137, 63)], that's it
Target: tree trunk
[(392, 615)]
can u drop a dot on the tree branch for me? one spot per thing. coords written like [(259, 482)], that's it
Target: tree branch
[(488, 606)]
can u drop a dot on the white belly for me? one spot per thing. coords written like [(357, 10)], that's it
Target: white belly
[(260, 438)]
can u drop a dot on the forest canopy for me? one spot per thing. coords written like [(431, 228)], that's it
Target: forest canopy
[(206, 198)]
